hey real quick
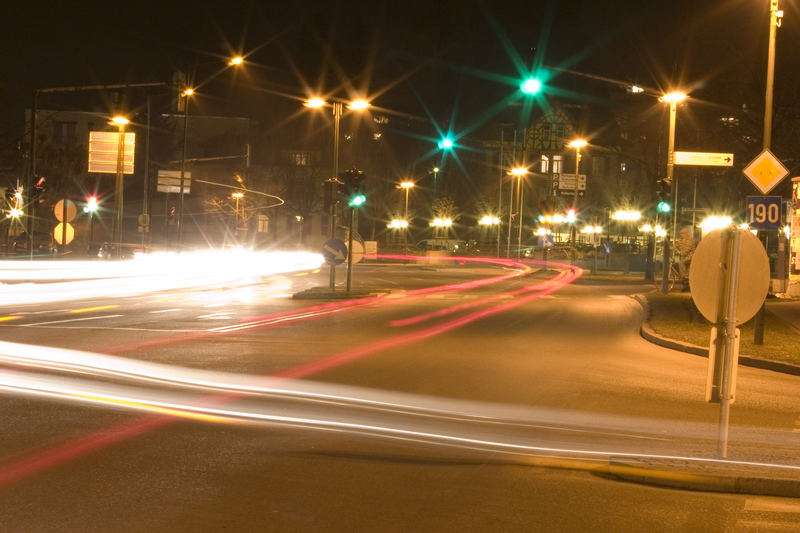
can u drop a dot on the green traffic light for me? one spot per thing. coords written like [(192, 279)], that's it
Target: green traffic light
[(664, 207), (446, 143), (531, 86), (357, 200)]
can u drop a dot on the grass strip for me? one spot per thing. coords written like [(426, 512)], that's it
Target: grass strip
[(675, 316)]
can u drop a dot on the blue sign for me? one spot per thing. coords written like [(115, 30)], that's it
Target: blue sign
[(764, 212), (334, 251), (545, 241), (606, 247)]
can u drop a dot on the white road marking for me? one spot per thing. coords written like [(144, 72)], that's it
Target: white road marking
[(70, 320), (171, 310), (772, 504)]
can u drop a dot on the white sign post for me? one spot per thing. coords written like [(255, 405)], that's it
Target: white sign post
[(729, 280)]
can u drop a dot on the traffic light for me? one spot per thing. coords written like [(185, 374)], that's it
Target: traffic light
[(39, 188), (664, 197), (530, 86), (446, 143), (354, 186)]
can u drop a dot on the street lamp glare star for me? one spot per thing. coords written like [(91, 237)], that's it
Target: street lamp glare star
[(238, 60), (314, 102), (120, 120), (674, 97), (407, 184), (518, 171), (357, 105), (188, 92), (578, 143)]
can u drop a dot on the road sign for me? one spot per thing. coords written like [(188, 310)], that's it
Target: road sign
[(764, 212), (358, 252), (606, 247), (59, 232), (765, 171), (707, 276), (567, 181), (545, 241), (170, 181), (103, 149), (706, 159), (59, 210), (334, 251)]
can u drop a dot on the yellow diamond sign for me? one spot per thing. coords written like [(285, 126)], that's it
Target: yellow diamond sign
[(765, 171)]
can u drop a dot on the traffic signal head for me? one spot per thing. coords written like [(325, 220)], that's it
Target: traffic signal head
[(530, 86), (664, 196), (663, 207), (446, 143), (354, 185)]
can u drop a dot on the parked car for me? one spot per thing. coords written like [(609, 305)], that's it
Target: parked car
[(42, 243)]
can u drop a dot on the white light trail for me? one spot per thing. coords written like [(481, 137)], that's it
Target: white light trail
[(50, 281)]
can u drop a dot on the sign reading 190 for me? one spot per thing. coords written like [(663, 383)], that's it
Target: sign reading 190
[(764, 212)]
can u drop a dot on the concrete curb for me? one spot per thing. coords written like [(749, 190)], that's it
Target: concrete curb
[(684, 475), (706, 482), (648, 334)]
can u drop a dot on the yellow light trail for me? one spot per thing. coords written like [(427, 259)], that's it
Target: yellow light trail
[(7, 318), (90, 309)]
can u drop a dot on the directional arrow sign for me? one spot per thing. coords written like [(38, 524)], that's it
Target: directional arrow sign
[(334, 251), (765, 171), (707, 159)]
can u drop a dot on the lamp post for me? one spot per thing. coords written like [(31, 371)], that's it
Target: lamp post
[(354, 105), (120, 121), (673, 99), (186, 94), (518, 172), (577, 144), (236, 196)]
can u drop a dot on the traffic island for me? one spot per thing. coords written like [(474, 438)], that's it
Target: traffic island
[(707, 475), (326, 293), (672, 321)]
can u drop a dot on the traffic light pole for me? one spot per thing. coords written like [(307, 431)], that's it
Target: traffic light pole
[(350, 247), (337, 115)]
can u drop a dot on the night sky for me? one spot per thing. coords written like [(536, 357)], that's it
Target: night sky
[(444, 50)]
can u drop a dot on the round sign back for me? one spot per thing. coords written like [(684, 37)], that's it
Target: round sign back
[(707, 277)]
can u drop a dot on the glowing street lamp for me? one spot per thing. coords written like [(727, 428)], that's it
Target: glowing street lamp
[(407, 186), (120, 122), (673, 99), (316, 102), (489, 220), (517, 172), (186, 94)]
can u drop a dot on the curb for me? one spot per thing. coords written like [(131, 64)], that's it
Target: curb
[(324, 293), (745, 360), (623, 470)]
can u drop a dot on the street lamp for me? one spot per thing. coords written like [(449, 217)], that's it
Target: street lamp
[(120, 122), (237, 196), (673, 99), (185, 96), (407, 186), (354, 105), (519, 172)]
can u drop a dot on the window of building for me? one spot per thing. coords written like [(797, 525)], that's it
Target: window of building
[(300, 159), (556, 164), (63, 132), (546, 130), (545, 164), (560, 131)]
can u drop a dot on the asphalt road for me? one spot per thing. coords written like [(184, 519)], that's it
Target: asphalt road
[(455, 409)]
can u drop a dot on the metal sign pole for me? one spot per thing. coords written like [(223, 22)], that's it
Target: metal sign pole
[(350, 248), (729, 334)]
